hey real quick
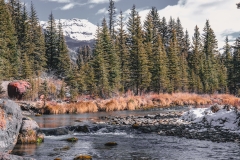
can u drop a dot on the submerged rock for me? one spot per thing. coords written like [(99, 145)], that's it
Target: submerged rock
[(110, 144), (10, 124), (4, 156), (83, 157)]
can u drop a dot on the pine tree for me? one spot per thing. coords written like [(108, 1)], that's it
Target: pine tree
[(184, 70), (112, 15), (195, 62), (170, 27), (228, 59), (63, 62), (140, 75), (124, 56), (110, 57), (210, 77), (173, 64), (164, 31), (100, 67), (160, 81), (236, 68), (37, 42), (51, 44), (9, 55)]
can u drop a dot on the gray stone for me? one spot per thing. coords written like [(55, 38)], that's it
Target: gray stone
[(10, 124), (5, 156)]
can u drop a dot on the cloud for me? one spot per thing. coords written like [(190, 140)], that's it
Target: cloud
[(102, 11), (61, 1), (222, 14), (68, 6), (101, 1)]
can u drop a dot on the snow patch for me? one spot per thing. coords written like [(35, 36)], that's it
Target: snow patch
[(77, 29), (225, 119)]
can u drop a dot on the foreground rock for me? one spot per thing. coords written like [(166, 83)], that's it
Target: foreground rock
[(5, 156), (30, 132), (10, 124)]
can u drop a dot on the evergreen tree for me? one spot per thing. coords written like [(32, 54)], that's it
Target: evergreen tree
[(228, 58), (173, 64), (210, 75), (160, 81), (63, 62), (100, 67), (9, 55), (236, 68), (195, 61), (164, 31), (140, 75), (123, 54), (112, 15), (111, 58), (37, 42), (51, 44)]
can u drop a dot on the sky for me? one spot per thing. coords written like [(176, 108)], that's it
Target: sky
[(223, 15)]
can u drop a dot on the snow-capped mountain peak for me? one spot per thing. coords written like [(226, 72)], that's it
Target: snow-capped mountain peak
[(76, 29)]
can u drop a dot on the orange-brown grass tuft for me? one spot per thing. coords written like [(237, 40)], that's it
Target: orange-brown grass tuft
[(82, 107), (2, 119), (54, 109)]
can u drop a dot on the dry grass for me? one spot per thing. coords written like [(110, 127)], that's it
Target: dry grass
[(2, 119), (130, 102)]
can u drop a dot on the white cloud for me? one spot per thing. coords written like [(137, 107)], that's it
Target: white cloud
[(68, 6), (222, 14), (61, 1), (102, 11), (101, 1)]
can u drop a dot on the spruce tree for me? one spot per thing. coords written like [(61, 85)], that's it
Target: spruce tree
[(195, 61), (164, 31), (173, 64), (9, 55), (112, 15), (236, 68), (160, 81), (63, 62), (51, 44), (210, 75), (110, 57), (100, 67), (140, 75), (37, 56), (124, 56), (228, 59)]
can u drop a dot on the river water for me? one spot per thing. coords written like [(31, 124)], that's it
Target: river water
[(131, 145)]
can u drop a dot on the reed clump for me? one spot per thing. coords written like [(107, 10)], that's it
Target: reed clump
[(130, 102)]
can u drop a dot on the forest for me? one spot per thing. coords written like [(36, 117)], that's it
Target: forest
[(156, 56)]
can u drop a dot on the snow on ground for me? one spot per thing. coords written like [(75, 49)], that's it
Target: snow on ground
[(225, 119)]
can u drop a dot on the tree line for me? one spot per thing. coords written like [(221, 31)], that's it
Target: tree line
[(157, 56), (26, 51)]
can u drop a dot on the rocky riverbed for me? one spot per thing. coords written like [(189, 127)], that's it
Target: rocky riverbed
[(201, 123)]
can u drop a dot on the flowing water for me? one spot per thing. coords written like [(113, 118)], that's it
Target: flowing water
[(131, 145)]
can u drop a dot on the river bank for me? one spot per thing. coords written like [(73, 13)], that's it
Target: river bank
[(128, 102), (178, 133)]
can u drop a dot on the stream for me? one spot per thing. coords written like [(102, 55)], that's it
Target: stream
[(131, 145)]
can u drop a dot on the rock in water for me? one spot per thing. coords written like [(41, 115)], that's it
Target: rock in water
[(5, 156), (10, 124), (30, 132)]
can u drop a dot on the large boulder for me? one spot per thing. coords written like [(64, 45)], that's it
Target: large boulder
[(16, 89), (10, 124), (30, 132)]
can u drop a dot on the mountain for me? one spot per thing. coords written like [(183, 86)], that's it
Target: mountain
[(77, 32)]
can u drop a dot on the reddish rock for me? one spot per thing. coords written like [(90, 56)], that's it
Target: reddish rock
[(16, 89)]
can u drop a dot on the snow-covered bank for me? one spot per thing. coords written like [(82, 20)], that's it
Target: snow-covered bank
[(227, 119)]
